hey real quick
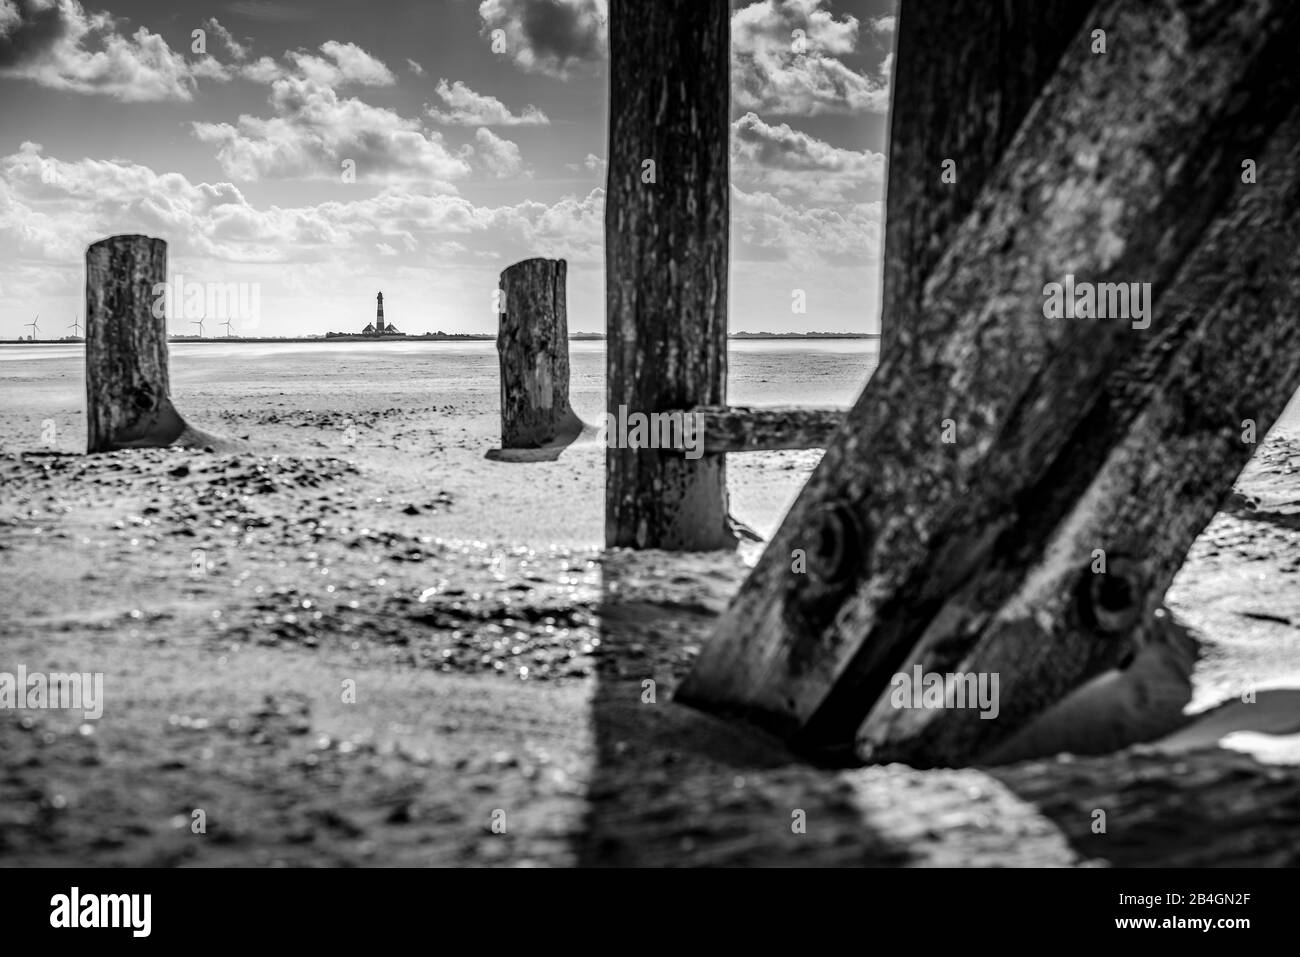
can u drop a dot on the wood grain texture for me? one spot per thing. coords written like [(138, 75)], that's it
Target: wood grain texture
[(1118, 170), (771, 428), (666, 262), (1143, 474), (533, 348), (128, 399), (965, 77)]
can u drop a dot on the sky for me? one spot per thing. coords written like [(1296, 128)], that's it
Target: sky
[(319, 151)]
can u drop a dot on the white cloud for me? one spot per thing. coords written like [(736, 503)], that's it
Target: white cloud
[(414, 67), (500, 157), (343, 63), (766, 228), (554, 37), (794, 165), (468, 108), (262, 70), (55, 216), (237, 50), (776, 70), (313, 132), (60, 45)]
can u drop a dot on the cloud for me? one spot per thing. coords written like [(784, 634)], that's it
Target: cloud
[(262, 70), (595, 164), (498, 156), (343, 63), (468, 108), (780, 147), (885, 24), (784, 56), (414, 67), (766, 228), (237, 50), (55, 216), (553, 37), (313, 132), (792, 164), (318, 263), (58, 44)]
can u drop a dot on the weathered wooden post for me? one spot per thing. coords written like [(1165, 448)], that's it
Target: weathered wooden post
[(533, 344), (666, 226), (1003, 448), (128, 400), (962, 84)]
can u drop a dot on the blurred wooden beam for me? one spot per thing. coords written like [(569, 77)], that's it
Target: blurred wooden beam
[(772, 428)]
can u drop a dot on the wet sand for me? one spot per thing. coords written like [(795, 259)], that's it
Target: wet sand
[(392, 650)]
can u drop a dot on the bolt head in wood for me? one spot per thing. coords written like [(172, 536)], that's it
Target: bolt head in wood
[(837, 544), (1111, 602)]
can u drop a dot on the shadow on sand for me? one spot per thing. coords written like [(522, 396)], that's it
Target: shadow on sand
[(673, 786)]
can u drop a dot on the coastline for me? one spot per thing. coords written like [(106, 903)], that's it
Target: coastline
[(449, 337)]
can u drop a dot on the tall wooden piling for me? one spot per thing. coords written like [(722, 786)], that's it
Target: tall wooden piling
[(666, 225), (533, 346)]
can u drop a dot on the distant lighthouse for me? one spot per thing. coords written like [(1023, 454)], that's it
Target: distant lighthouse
[(379, 327)]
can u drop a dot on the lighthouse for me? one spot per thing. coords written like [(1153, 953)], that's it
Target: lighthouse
[(379, 327)]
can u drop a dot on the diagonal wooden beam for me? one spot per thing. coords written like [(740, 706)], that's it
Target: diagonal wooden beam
[(1116, 173), (1172, 430), (964, 78)]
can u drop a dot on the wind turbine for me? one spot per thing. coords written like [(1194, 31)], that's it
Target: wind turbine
[(76, 325), (199, 323), (229, 326), (33, 325)]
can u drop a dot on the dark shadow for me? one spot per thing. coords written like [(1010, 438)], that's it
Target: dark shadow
[(577, 433), (164, 427), (1178, 800), (672, 786), (1144, 808), (1142, 702)]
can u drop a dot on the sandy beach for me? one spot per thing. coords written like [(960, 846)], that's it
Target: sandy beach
[(359, 641)]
